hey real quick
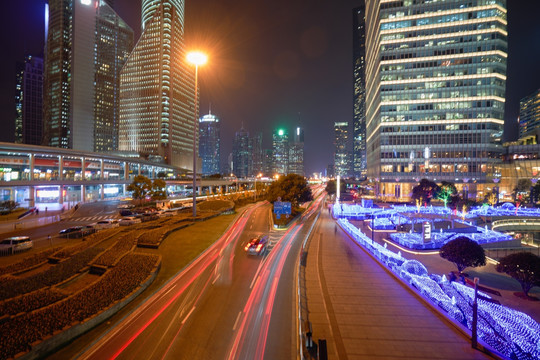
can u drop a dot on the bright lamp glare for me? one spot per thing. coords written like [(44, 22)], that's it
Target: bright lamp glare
[(197, 58)]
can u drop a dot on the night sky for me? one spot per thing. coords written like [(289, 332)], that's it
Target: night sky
[(271, 64)]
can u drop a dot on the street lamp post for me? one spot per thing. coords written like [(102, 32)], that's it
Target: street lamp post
[(196, 58)]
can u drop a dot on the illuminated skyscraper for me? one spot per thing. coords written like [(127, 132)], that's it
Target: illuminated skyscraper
[(359, 165), (435, 91), (241, 154), (280, 148), (296, 153), (29, 124), (257, 157), (341, 155), (87, 44), (529, 117), (209, 144), (157, 105)]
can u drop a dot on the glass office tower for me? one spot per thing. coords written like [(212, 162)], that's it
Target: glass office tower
[(209, 143), (158, 110), (529, 117), (87, 44), (341, 153), (359, 165), (436, 76)]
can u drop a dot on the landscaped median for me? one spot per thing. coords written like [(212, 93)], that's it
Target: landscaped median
[(50, 298)]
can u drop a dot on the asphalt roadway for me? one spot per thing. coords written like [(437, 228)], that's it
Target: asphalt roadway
[(224, 305)]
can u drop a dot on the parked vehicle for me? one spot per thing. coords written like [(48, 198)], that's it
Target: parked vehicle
[(149, 216), (15, 244), (74, 231), (125, 206), (106, 224), (126, 212), (129, 220)]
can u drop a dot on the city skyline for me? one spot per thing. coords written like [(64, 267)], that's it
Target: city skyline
[(307, 76)]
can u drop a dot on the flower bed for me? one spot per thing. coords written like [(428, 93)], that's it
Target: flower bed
[(123, 245), (28, 262), (12, 287), (17, 333), (31, 301)]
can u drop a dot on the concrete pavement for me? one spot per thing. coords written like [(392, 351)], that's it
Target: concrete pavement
[(363, 312)]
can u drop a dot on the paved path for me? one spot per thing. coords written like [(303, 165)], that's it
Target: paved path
[(364, 312)]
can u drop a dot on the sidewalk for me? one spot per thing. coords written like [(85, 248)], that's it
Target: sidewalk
[(363, 312), (33, 220)]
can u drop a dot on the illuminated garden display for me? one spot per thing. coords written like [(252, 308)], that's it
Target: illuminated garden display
[(390, 219), (511, 333)]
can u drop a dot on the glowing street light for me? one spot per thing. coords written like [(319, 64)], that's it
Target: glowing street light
[(196, 58)]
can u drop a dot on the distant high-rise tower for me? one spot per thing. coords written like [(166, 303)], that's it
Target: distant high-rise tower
[(257, 162), (435, 92), (296, 153), (359, 91), (209, 144), (268, 162), (529, 116), (341, 158), (19, 101), (280, 147), (157, 105), (29, 124), (87, 45), (241, 154)]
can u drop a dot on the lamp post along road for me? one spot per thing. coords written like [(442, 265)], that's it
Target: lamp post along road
[(196, 58)]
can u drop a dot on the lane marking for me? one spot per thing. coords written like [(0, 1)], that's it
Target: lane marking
[(187, 316), (217, 277), (237, 319)]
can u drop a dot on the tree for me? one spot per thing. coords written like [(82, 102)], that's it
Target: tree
[(491, 198), (523, 267), (293, 188), (446, 191), (158, 191), (425, 191), (140, 187), (463, 252), (331, 187), (523, 186)]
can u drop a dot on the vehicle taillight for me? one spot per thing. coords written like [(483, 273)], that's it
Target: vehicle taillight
[(259, 247)]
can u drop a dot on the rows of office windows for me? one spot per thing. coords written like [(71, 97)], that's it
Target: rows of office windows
[(445, 41), (448, 94), (430, 6), (453, 64), (480, 104), (428, 52), (417, 155), (435, 139), (460, 70), (441, 129), (458, 83), (451, 28), (437, 168), (440, 19)]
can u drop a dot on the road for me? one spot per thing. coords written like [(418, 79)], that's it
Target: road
[(225, 304), (86, 214)]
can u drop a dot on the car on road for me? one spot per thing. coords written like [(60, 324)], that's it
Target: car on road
[(129, 220), (73, 231), (106, 224), (125, 206), (257, 245), (15, 244)]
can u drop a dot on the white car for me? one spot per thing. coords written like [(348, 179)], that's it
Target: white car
[(15, 244), (106, 224), (129, 220)]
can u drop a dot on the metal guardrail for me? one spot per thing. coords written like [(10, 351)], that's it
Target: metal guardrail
[(533, 224)]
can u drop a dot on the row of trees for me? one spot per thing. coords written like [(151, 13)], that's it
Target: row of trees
[(141, 187), (522, 266)]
